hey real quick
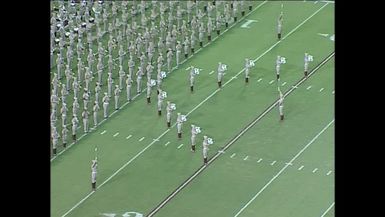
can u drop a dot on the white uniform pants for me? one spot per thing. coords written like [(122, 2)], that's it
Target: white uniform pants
[(128, 92), (138, 82), (193, 139), (168, 117), (85, 124), (109, 89), (95, 119), (105, 106), (93, 177), (116, 102), (205, 150)]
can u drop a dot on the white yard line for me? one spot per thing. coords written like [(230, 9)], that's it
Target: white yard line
[(104, 131), (142, 139), (232, 155), (246, 158), (180, 146), (211, 72), (272, 81), (188, 68), (329, 172), (308, 88), (78, 203), (301, 167), (202, 102), (320, 90), (327, 210), (259, 80), (166, 143), (116, 134), (273, 163), (284, 83), (315, 170), (283, 169), (260, 159), (128, 137)]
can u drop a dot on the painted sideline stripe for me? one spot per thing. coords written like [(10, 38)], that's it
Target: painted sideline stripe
[(327, 210)]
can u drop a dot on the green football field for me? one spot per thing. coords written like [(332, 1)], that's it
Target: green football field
[(258, 166)]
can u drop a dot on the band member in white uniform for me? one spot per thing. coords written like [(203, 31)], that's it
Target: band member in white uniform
[(306, 66), (280, 105), (193, 137), (179, 124), (205, 149), (94, 167)]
